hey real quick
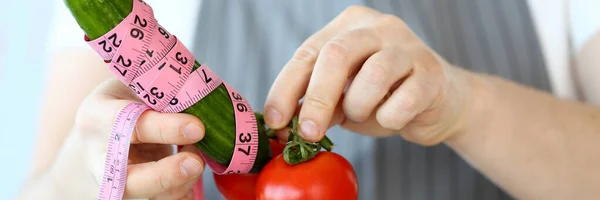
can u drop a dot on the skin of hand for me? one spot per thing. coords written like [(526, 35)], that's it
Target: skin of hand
[(369, 73), (154, 171)]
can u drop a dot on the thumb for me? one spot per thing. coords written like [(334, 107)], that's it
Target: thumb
[(168, 175)]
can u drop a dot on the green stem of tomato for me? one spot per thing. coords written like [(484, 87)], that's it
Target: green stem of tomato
[(326, 143), (297, 150)]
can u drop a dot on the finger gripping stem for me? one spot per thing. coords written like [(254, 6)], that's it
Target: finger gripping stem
[(298, 151)]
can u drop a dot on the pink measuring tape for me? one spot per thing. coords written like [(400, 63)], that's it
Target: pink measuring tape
[(158, 68)]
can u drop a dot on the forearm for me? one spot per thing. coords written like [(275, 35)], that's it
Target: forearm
[(533, 145)]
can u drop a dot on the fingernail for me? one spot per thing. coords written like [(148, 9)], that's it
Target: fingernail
[(308, 129), (273, 116), (191, 167), (192, 132)]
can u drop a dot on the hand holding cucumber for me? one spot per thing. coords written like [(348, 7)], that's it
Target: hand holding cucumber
[(153, 171)]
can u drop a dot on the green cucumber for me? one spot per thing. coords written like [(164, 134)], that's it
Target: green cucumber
[(97, 17)]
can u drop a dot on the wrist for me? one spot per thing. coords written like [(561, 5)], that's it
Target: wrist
[(477, 107)]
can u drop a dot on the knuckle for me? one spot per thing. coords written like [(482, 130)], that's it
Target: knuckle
[(360, 32), (428, 88), (359, 10), (164, 182), (318, 101), (388, 119), (428, 60), (336, 48), (375, 72), (396, 114), (305, 55), (161, 130), (387, 18), (355, 110), (407, 104), (364, 35), (402, 62), (391, 26), (354, 9)]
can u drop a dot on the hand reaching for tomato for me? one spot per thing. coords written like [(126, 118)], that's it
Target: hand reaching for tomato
[(367, 72)]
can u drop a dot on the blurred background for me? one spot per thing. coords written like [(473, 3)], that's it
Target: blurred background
[(24, 26)]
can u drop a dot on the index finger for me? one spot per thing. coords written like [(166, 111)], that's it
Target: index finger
[(292, 82)]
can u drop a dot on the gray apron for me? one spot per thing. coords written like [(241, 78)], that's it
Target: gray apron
[(248, 42)]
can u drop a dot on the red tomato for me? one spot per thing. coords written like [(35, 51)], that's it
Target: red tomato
[(242, 186), (236, 186), (327, 176)]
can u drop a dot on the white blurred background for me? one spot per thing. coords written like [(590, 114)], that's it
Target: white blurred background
[(23, 28)]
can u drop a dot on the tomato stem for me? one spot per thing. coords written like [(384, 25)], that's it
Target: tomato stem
[(298, 150), (271, 133), (326, 143)]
